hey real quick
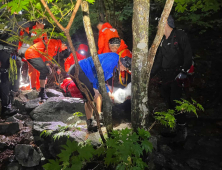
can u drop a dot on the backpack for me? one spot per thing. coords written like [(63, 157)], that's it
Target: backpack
[(179, 49)]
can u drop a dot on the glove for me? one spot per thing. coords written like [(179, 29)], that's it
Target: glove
[(181, 76)]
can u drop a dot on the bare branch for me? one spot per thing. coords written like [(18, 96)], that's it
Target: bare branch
[(51, 14), (73, 14)]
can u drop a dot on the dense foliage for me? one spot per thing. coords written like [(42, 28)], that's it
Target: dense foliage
[(124, 150)]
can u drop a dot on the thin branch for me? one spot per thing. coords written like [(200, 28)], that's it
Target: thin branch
[(51, 14), (73, 14), (152, 125)]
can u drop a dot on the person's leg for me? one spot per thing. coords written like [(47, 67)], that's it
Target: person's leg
[(181, 129), (165, 91), (88, 110), (37, 83), (98, 101), (91, 123), (176, 94), (39, 65), (32, 75)]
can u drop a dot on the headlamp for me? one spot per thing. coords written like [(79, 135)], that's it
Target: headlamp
[(81, 52)]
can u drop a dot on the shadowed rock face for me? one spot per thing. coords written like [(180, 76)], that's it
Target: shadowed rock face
[(9, 128), (26, 155), (58, 109)]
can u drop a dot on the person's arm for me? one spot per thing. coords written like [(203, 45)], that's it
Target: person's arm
[(101, 43), (157, 63)]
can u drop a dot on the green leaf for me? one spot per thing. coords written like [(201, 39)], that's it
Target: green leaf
[(147, 146), (86, 152), (143, 133), (91, 1), (137, 150), (53, 164), (121, 166)]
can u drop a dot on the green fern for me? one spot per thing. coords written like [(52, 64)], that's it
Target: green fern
[(46, 133), (168, 118)]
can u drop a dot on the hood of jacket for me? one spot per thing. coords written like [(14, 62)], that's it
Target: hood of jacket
[(122, 46)]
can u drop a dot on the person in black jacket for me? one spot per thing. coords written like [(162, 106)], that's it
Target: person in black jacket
[(6, 108), (174, 57)]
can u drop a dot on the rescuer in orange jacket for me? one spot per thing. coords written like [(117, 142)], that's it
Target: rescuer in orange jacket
[(118, 46), (37, 53), (33, 73), (106, 32), (81, 54)]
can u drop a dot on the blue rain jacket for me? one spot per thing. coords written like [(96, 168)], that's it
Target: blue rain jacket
[(108, 62)]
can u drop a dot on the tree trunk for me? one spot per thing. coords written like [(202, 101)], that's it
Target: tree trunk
[(140, 77), (107, 107), (140, 25)]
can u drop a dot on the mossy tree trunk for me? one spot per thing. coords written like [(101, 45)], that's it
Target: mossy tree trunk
[(143, 59), (139, 68)]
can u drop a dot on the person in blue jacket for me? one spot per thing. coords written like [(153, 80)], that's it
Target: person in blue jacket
[(88, 76)]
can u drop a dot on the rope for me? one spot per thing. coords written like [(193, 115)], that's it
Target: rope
[(120, 76)]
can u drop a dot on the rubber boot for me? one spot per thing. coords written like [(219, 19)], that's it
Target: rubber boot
[(91, 125), (43, 95)]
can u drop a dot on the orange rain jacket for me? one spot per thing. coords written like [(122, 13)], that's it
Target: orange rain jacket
[(70, 60), (33, 73), (123, 51), (105, 34), (47, 53)]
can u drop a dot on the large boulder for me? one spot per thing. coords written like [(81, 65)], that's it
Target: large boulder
[(26, 155), (58, 109), (19, 104), (32, 104), (53, 93), (32, 94), (9, 128)]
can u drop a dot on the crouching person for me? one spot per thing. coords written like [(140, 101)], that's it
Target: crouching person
[(88, 77), (38, 55)]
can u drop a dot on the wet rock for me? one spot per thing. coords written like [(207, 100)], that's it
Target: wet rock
[(3, 141), (193, 163), (43, 159), (13, 166), (9, 128), (153, 140), (78, 136), (174, 165), (165, 149), (54, 93), (209, 142), (32, 94), (19, 116), (159, 159), (32, 104), (95, 139), (123, 126), (38, 127), (19, 104), (44, 148), (13, 119), (58, 109), (189, 145), (26, 155), (38, 140)]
